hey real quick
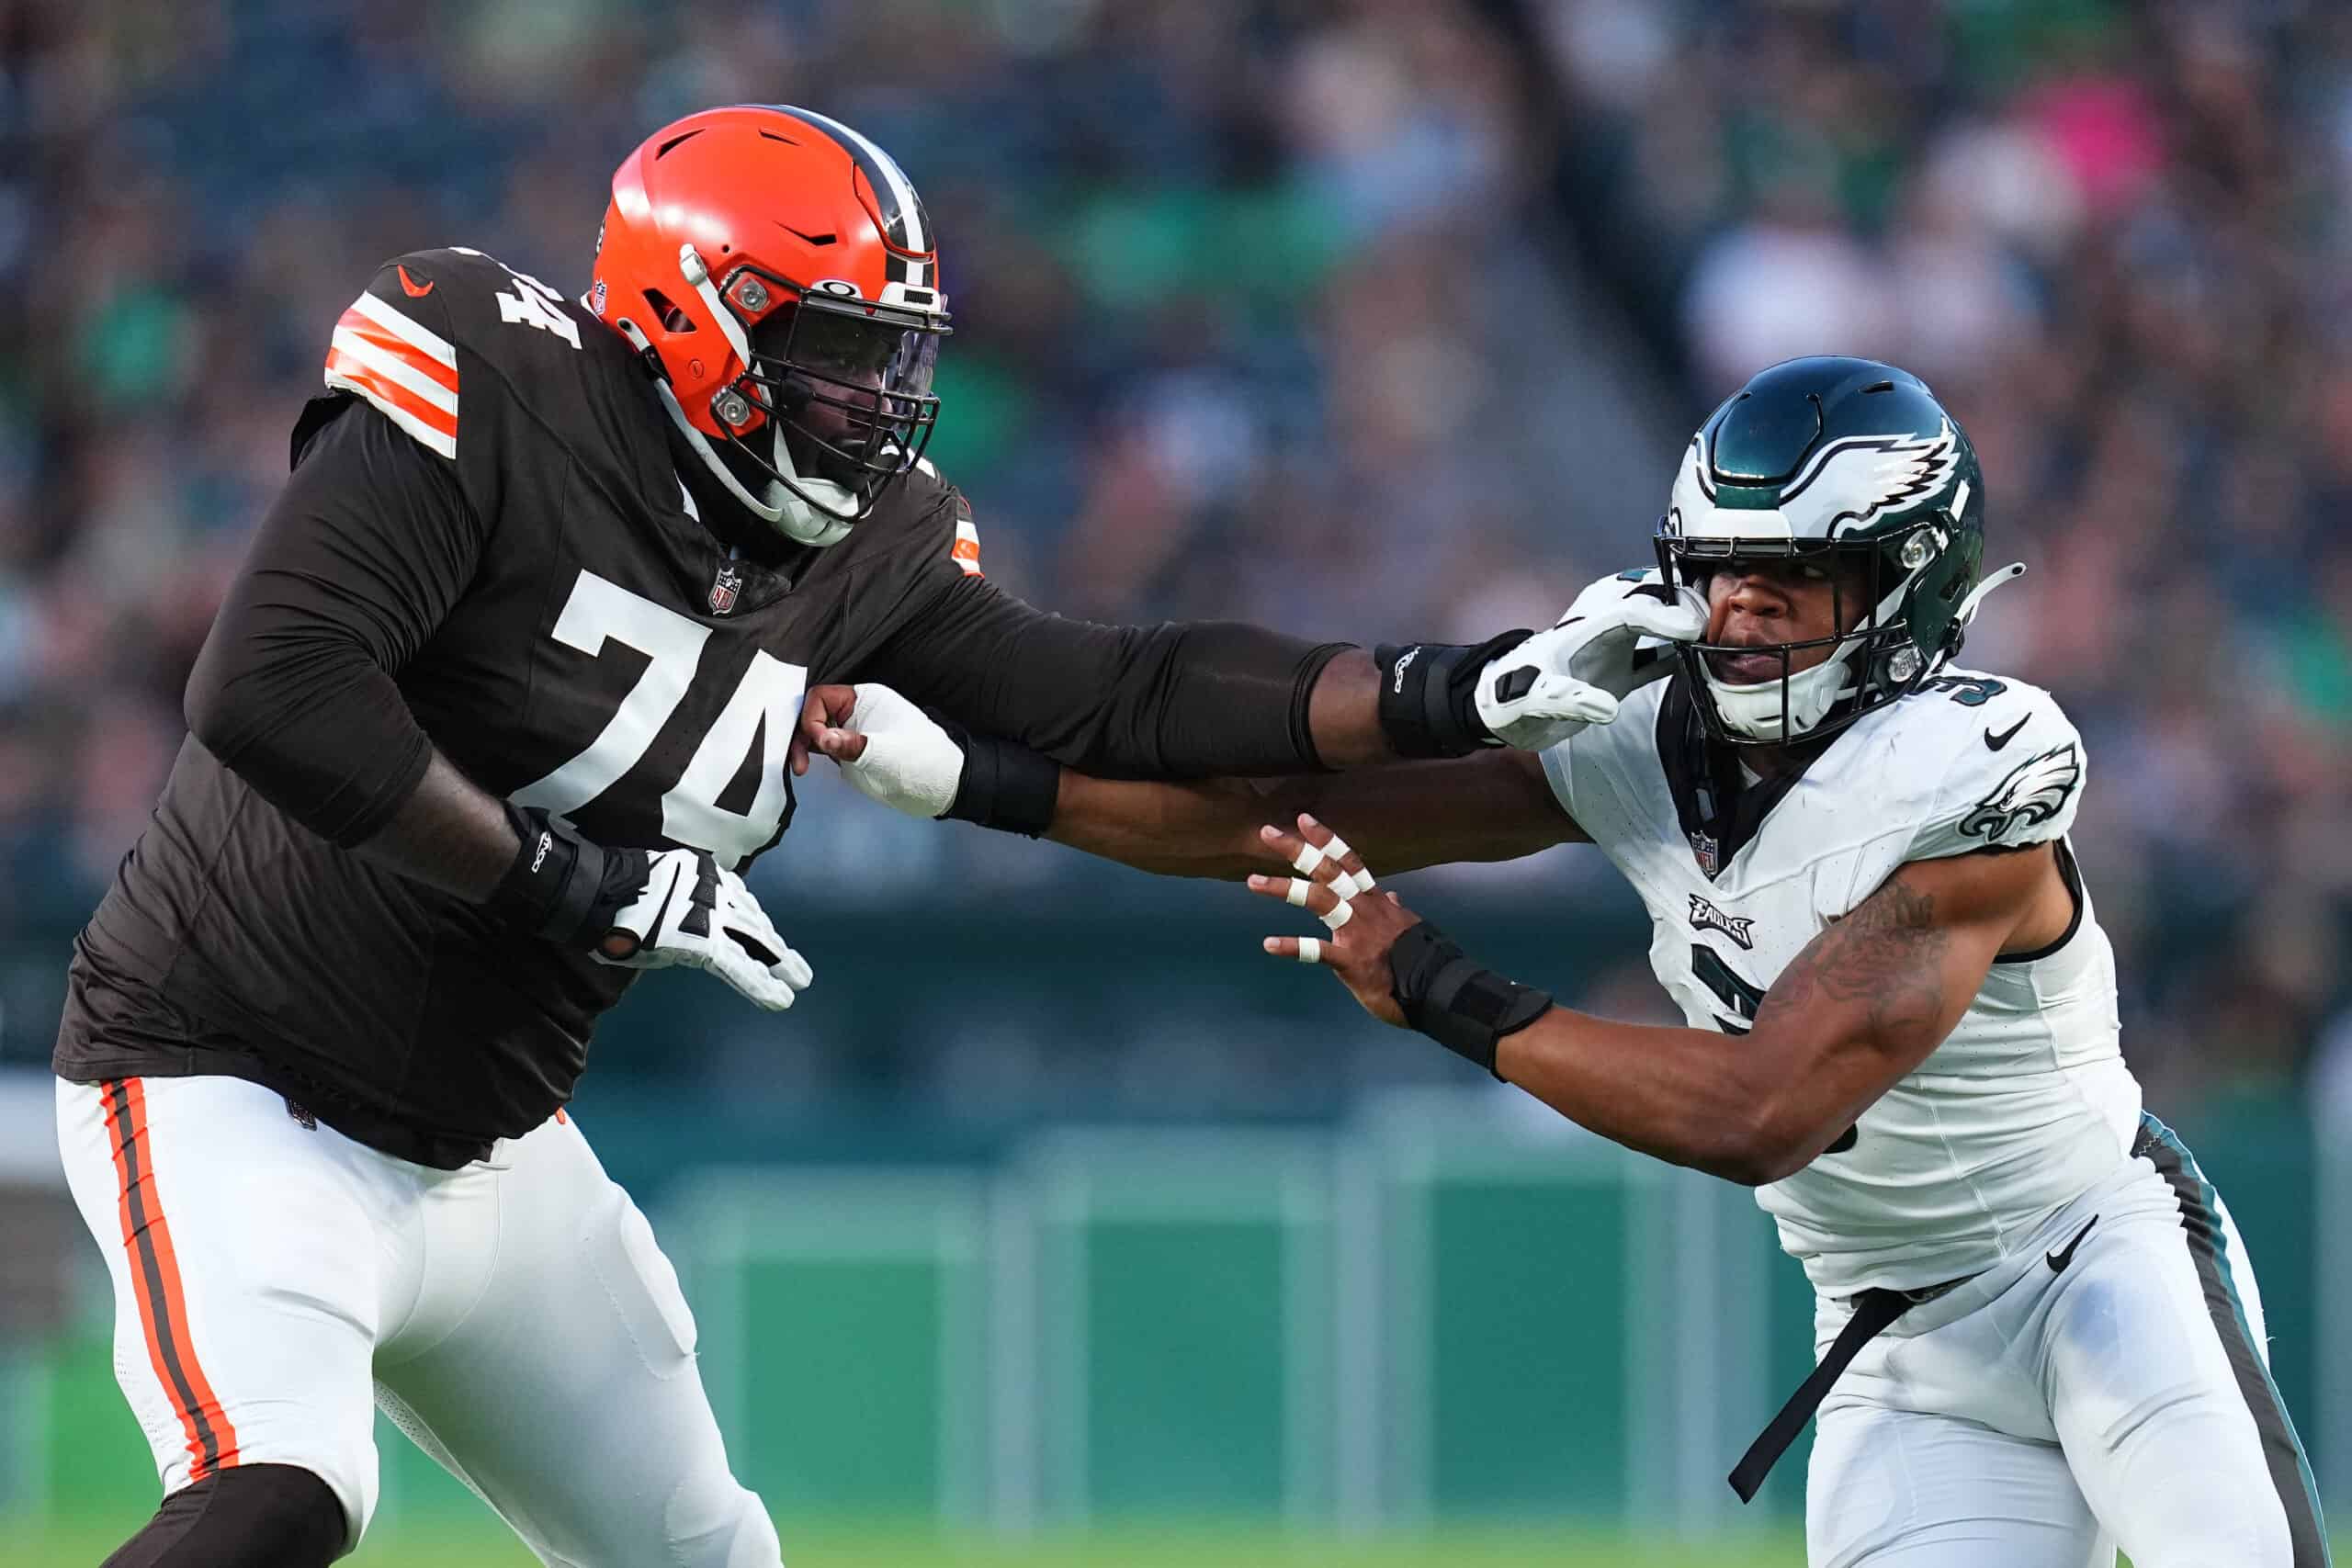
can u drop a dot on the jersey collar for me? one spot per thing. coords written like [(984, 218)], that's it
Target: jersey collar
[(1719, 811)]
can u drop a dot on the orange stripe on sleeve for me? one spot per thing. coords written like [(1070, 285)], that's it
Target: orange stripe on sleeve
[(345, 370), (374, 336)]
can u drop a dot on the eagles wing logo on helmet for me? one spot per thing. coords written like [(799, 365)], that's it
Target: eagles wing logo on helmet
[(2034, 791), (1890, 470)]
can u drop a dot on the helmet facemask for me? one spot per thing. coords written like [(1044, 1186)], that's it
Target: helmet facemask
[(1872, 660), (840, 384), (850, 382)]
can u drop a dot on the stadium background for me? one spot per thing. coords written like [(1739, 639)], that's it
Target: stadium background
[(1053, 1209)]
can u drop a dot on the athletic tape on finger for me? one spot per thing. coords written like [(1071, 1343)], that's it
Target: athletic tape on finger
[(1337, 848), (1342, 913), (1296, 896), (1308, 859), (1311, 950)]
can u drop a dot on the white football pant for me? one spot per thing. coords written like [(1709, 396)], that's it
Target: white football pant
[(2068, 1403), (275, 1281)]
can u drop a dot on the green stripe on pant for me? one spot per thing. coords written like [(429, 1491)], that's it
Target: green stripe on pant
[(2201, 1223)]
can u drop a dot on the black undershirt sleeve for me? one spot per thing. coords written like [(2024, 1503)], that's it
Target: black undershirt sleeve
[(1179, 700), (354, 564)]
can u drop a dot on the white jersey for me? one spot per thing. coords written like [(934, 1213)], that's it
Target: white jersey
[(2028, 1103)]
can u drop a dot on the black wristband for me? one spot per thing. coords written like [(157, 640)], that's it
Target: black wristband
[(1428, 693), (1004, 785), (1448, 997), (556, 886)]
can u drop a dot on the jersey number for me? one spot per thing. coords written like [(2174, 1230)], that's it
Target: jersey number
[(1735, 993), (1742, 1000), (766, 704)]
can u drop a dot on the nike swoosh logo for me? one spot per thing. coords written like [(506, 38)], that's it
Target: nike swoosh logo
[(2066, 1255), (652, 936), (1998, 741), (416, 290)]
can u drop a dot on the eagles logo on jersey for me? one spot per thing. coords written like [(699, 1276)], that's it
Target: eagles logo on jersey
[(2037, 791)]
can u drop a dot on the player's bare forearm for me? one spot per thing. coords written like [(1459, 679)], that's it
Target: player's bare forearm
[(1489, 807), (1864, 1004), (448, 833), (1343, 713), (1196, 829)]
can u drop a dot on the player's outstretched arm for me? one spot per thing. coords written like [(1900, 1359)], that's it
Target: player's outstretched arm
[(1864, 1004), (1489, 807), (1223, 699)]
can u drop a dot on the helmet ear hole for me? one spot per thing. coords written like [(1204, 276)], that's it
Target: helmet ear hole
[(666, 311)]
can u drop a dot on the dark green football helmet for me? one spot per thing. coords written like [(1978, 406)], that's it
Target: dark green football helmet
[(1855, 463)]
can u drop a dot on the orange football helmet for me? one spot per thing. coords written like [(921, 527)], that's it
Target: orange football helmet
[(777, 269)]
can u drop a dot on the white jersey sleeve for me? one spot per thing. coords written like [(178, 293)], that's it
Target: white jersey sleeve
[(2019, 782)]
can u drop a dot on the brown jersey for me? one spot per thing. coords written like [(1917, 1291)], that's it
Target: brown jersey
[(486, 548)]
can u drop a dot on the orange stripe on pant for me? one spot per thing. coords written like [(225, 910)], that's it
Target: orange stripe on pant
[(155, 1284)]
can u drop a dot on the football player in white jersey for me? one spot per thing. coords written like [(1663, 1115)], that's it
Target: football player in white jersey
[(2039, 1335)]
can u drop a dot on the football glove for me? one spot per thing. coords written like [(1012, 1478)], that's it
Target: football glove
[(691, 912), (1551, 685), (644, 909)]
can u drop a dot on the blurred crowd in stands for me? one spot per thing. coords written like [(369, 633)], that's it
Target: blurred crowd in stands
[(1373, 318)]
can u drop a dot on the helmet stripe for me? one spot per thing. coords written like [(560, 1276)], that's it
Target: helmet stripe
[(904, 223)]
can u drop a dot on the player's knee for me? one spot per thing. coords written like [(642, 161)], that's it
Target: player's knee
[(253, 1515), (721, 1525)]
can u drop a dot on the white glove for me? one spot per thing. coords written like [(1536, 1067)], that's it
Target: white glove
[(691, 912), (910, 763), (1557, 682)]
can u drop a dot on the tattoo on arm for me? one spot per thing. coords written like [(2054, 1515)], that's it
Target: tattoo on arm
[(1887, 954)]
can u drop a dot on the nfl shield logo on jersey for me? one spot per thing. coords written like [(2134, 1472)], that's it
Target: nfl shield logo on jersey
[(1710, 860), (722, 590)]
